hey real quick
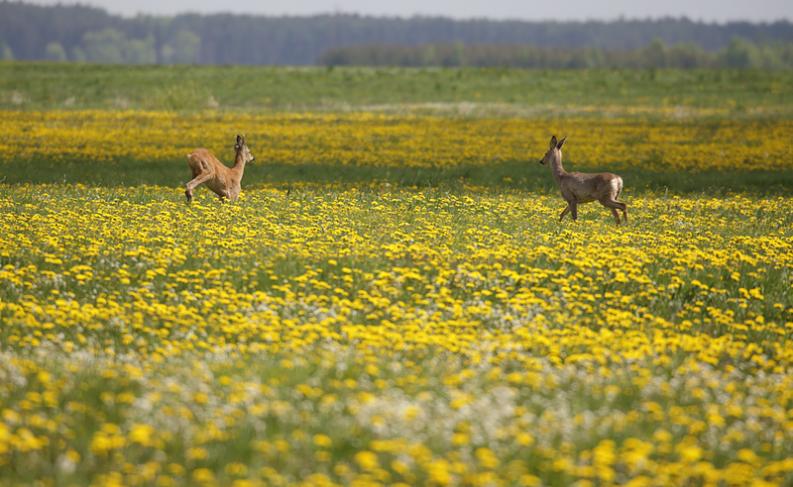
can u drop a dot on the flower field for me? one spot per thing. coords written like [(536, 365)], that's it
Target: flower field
[(393, 300), (380, 139), (351, 334)]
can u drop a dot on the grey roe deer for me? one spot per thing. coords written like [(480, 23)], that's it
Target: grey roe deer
[(581, 187), (223, 180)]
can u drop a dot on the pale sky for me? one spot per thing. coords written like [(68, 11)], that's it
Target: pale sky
[(709, 10)]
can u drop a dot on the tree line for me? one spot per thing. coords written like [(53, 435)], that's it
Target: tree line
[(739, 53), (82, 33)]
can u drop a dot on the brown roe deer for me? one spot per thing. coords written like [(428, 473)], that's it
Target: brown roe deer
[(223, 180), (581, 187)]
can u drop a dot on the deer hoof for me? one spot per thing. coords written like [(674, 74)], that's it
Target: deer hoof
[(188, 195)]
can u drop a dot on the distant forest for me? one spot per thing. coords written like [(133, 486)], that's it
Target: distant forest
[(81, 33), (740, 53)]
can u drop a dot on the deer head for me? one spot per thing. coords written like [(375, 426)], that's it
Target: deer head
[(554, 148), (242, 150)]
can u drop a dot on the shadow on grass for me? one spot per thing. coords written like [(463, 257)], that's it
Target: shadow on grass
[(527, 175)]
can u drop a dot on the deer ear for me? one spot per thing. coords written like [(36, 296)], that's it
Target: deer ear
[(553, 141), (561, 143)]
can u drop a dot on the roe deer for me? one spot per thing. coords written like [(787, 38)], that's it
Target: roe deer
[(223, 180), (581, 187)]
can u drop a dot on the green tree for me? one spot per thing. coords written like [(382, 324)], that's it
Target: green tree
[(429, 55), (6, 54), (140, 51), (55, 52), (78, 54), (688, 56), (183, 48), (740, 54), (104, 46), (654, 55)]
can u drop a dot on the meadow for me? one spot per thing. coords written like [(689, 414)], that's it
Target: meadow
[(392, 300), (549, 93)]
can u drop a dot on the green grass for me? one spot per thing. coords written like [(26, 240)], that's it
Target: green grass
[(526, 175), (38, 86)]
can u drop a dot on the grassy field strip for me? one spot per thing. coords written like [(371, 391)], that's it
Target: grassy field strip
[(629, 92)]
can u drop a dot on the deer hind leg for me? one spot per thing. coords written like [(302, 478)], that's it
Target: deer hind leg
[(614, 205), (616, 215), (193, 183)]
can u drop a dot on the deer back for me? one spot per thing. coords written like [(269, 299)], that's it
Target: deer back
[(203, 160)]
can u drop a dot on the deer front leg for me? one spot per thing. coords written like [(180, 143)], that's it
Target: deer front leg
[(574, 210), (225, 194), (193, 183), (564, 212)]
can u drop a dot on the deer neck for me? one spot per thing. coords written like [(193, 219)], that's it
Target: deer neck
[(556, 167), (239, 165)]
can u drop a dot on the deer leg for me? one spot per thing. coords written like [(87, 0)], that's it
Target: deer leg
[(616, 215), (610, 204), (614, 205), (574, 210), (191, 185), (564, 212), (624, 209)]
